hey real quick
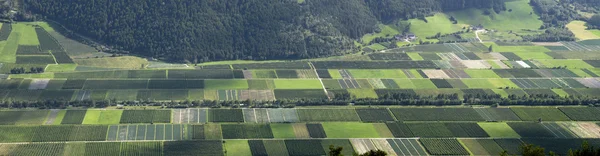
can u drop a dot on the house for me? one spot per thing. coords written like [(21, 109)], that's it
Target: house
[(399, 37), (477, 27), (407, 36), (411, 36)]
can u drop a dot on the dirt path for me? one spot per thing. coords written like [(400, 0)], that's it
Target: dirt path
[(52, 116), (320, 80), (477, 35)]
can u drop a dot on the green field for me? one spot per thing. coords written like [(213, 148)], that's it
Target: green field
[(335, 74), (573, 64), (9, 47), (525, 52), (498, 130), (283, 131), (422, 84), (489, 83), (102, 116), (503, 83), (28, 34), (310, 115), (560, 92), (350, 130), (415, 56), (335, 132), (297, 84), (503, 21), (61, 67), (385, 31), (122, 95), (376, 47), (439, 23), (482, 74), (404, 83), (595, 32), (365, 74), (237, 147), (226, 84), (533, 114)]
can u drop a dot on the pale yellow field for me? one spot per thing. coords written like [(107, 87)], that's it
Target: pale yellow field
[(126, 62), (579, 29)]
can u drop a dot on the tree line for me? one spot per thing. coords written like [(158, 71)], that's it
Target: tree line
[(589, 6), (594, 22), (340, 99), (21, 70), (209, 30)]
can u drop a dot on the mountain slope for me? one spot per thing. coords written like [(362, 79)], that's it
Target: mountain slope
[(209, 30)]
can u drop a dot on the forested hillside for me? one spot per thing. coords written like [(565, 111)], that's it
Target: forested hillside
[(585, 5), (207, 30)]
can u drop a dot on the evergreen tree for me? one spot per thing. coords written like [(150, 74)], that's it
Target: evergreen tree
[(335, 151), (210, 30), (373, 153)]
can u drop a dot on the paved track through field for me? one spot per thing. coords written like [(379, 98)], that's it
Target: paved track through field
[(555, 130), (52, 116), (320, 80), (176, 116), (484, 113), (406, 147), (477, 35), (408, 74), (449, 45), (462, 49)]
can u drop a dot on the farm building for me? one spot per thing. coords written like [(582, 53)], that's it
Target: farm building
[(477, 27), (407, 36)]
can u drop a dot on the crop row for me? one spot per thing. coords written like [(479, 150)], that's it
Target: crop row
[(47, 42), (5, 31)]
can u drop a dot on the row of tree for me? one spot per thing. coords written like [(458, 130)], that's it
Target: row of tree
[(340, 99), (21, 70)]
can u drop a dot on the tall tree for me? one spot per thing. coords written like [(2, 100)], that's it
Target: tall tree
[(374, 153), (595, 21), (531, 150), (585, 150), (335, 151)]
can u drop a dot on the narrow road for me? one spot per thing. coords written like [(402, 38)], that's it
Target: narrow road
[(320, 80), (477, 35)]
